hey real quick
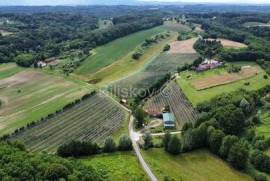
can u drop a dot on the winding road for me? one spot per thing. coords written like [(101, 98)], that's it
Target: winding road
[(134, 136)]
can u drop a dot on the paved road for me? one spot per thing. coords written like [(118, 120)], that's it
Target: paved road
[(135, 137)]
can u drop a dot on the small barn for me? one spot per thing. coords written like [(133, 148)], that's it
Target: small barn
[(169, 120)]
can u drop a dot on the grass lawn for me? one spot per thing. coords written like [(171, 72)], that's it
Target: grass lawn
[(9, 69), (31, 94), (199, 96), (127, 65), (197, 165), (115, 50), (263, 129), (120, 166)]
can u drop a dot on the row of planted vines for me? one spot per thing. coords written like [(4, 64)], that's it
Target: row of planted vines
[(93, 119), (173, 97)]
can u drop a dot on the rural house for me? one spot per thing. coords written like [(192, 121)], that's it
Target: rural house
[(208, 64), (169, 120)]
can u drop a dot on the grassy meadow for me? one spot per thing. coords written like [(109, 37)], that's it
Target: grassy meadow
[(9, 69), (31, 94), (120, 166), (113, 51), (263, 129), (199, 96), (197, 165)]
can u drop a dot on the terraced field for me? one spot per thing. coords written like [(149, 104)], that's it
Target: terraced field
[(93, 119), (173, 97), (154, 70)]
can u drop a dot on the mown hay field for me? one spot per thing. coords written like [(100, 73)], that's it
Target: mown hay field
[(93, 119), (198, 96), (197, 165), (29, 95), (183, 47)]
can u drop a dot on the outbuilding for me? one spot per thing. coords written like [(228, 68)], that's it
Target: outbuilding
[(169, 120)]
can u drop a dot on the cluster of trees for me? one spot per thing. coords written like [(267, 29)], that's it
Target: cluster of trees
[(208, 48), (226, 127), (147, 43), (40, 36), (17, 164), (87, 148)]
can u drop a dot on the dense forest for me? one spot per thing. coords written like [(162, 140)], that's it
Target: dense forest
[(40, 36)]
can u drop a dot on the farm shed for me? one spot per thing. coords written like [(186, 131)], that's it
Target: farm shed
[(169, 120)]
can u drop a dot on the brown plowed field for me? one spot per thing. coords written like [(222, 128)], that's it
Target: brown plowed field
[(226, 78), (183, 47)]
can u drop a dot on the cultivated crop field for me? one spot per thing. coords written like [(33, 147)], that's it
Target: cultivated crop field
[(113, 51), (173, 97), (127, 65), (93, 119), (153, 71), (198, 96), (225, 78), (29, 95), (197, 165)]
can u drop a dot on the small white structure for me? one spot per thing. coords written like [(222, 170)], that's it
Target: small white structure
[(41, 64)]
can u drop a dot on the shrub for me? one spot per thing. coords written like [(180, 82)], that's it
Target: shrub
[(166, 48), (265, 76), (77, 149), (226, 145), (238, 155), (215, 140), (174, 145), (56, 172), (166, 140), (137, 55), (261, 161), (109, 145), (260, 177), (125, 143), (148, 141), (25, 60)]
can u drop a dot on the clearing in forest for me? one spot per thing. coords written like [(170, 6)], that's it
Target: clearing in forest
[(183, 47), (195, 96), (94, 118), (173, 97), (30, 95), (225, 78), (197, 165)]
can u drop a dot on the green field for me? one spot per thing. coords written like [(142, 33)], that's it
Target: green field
[(127, 65), (197, 165), (30, 95), (152, 72), (120, 166), (199, 96), (115, 50), (263, 129), (9, 69)]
